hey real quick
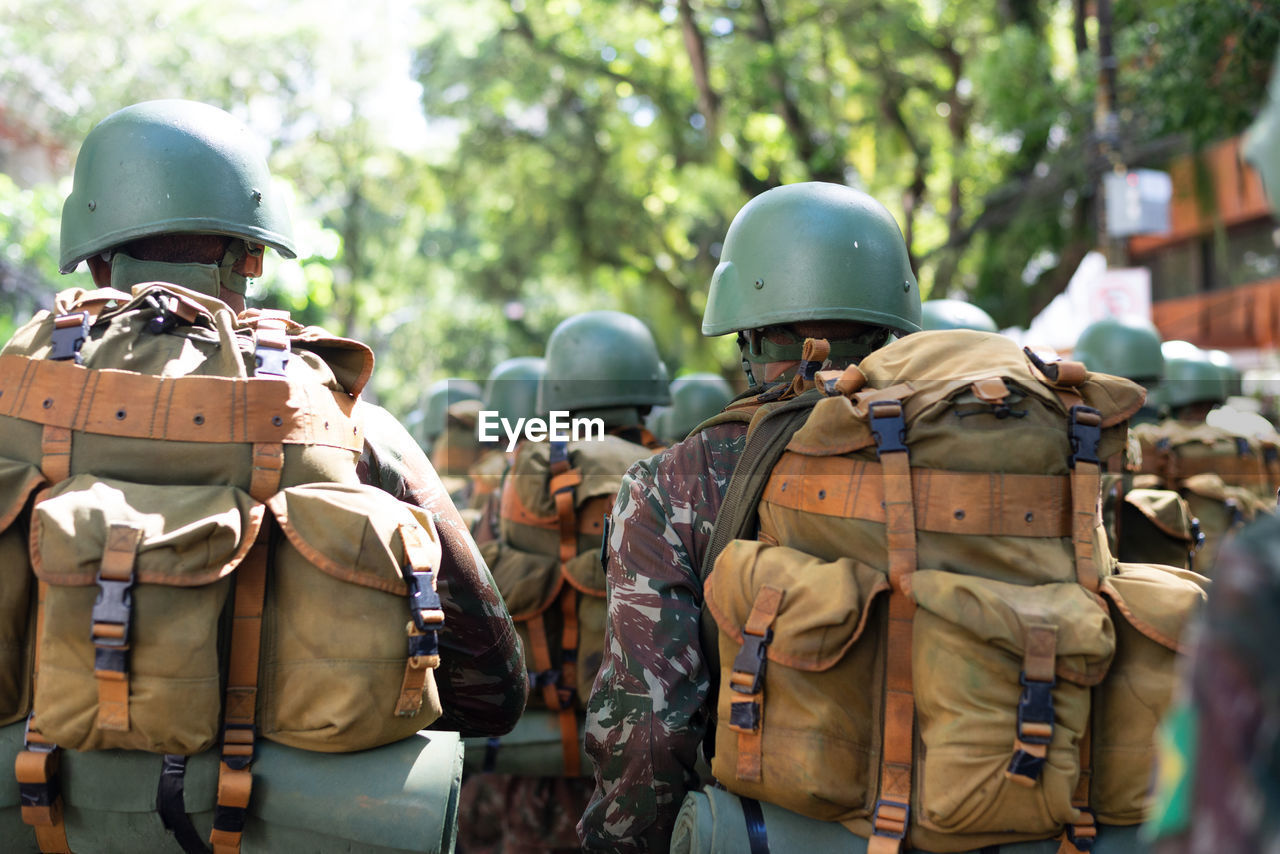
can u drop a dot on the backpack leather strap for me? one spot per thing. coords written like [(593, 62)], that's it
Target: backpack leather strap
[(1085, 430), (746, 680), (892, 817), (1079, 836), (112, 613)]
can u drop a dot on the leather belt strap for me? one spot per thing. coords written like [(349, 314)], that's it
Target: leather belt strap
[(55, 453), (180, 409), (36, 767), (891, 820), (268, 464), (947, 502), (235, 780)]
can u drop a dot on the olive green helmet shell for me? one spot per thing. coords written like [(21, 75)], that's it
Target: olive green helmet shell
[(955, 314), (812, 251), (171, 167), (1232, 377), (512, 387), (600, 360), (1188, 381), (694, 399), (440, 396), (1123, 347), (1262, 141)]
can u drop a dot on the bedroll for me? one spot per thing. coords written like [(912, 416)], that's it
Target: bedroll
[(928, 641), (189, 556)]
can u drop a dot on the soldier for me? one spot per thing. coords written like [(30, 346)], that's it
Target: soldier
[(694, 399), (800, 260), (604, 366), (510, 392), (449, 423), (955, 314), (1127, 348), (1219, 779)]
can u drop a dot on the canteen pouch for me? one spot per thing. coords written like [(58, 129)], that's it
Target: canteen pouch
[(17, 483), (974, 645), (157, 631), (337, 622), (1151, 606)]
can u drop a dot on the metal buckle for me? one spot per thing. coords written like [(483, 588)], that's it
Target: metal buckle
[(888, 426), (751, 659), (1085, 429)]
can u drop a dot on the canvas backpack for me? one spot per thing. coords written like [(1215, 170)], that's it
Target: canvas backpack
[(1227, 480), (921, 632), (188, 554), (546, 562)]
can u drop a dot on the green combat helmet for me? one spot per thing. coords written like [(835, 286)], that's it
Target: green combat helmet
[(172, 167), (1124, 347), (442, 395), (1231, 375), (694, 399), (603, 364), (808, 252), (512, 387), (955, 314), (1189, 376)]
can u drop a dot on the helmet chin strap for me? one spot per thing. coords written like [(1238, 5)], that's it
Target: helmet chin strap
[(208, 279), (757, 348)]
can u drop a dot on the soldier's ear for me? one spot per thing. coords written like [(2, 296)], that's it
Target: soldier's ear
[(100, 269)]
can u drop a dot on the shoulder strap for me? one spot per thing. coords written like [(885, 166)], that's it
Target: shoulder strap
[(766, 441)]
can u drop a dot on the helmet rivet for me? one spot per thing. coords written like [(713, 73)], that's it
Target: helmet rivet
[(906, 286), (759, 284), (257, 195), (93, 206)]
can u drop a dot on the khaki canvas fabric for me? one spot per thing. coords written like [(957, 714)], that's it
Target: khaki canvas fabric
[(161, 437), (998, 592), (1152, 525)]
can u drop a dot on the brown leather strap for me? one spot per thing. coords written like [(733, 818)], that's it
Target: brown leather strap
[(268, 465), (746, 716), (948, 502), (561, 487), (235, 779), (55, 451), (110, 638), (892, 817), (1085, 827), (419, 559), (181, 409), (1086, 516), (542, 660)]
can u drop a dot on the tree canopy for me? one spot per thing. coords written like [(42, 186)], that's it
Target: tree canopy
[(466, 173)]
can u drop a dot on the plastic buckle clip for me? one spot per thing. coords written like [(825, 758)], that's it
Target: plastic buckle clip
[(1086, 434), (35, 746), (751, 660), (271, 361), (238, 760), (69, 334), (1083, 834), (1242, 447), (422, 597), (888, 426), (113, 605), (539, 679), (1035, 708)]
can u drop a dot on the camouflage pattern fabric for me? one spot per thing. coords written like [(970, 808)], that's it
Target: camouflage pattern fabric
[(504, 814), (481, 678), (1225, 740), (649, 710)]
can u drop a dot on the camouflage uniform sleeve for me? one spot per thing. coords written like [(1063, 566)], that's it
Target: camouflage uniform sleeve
[(649, 708), (481, 677)]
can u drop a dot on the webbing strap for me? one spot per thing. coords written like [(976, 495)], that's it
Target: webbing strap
[(757, 833), (892, 817), (109, 630), (268, 464), (55, 453), (36, 767), (569, 679), (746, 682), (426, 618), (1079, 836), (172, 807), (562, 487), (235, 779), (1034, 730)]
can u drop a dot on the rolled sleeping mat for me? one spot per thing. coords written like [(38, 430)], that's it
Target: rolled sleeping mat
[(713, 821), (532, 749), (401, 798)]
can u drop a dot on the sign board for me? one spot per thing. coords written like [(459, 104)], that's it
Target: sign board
[(1138, 202)]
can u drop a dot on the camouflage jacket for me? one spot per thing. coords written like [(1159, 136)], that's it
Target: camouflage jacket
[(650, 706), (481, 678), (1219, 772)]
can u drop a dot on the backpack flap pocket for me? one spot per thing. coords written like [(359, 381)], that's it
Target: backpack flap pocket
[(1001, 674), (799, 703), (1152, 606), (17, 482), (351, 620), (135, 579), (530, 584)]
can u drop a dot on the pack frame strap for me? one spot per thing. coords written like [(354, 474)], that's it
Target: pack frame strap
[(203, 409), (171, 804), (109, 630), (426, 619), (561, 488), (55, 453), (746, 683), (891, 819), (36, 767), (1079, 836), (235, 780), (1085, 430)]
